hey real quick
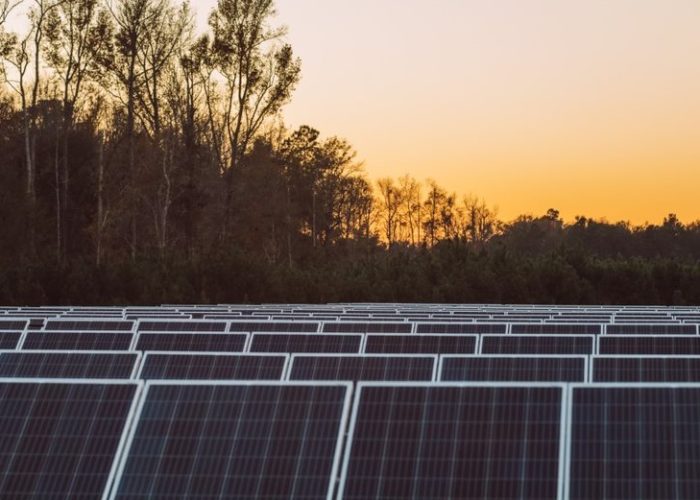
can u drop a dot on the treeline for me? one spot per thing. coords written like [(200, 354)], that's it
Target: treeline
[(142, 161)]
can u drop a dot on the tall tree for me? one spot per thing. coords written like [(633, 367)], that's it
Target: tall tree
[(79, 38), (134, 19), (259, 74)]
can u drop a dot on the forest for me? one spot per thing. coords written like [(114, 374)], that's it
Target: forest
[(143, 161)]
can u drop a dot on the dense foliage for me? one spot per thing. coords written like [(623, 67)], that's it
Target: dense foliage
[(145, 163)]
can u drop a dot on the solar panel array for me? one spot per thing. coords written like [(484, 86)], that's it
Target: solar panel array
[(349, 401)]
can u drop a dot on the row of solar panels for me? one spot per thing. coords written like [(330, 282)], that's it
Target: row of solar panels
[(354, 327), (405, 316), (351, 368), (71, 439), (351, 343)]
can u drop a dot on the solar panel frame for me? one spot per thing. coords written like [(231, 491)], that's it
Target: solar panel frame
[(601, 339), (268, 326), (348, 336), (584, 357), (546, 337), (602, 385), (112, 491), (283, 375), (128, 422), (136, 345), (42, 335), (443, 328), (593, 359), (76, 325), (450, 337), (555, 329), (6, 338), (134, 371), (14, 325), (649, 329), (188, 325), (383, 327), (562, 479), (294, 356)]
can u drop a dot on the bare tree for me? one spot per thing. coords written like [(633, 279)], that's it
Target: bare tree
[(259, 75), (390, 203), (411, 207), (79, 38)]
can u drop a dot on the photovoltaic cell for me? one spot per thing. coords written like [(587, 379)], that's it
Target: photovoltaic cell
[(460, 328), (182, 326), (536, 344), (647, 329), (212, 367), (370, 327), (556, 329), (421, 344), (646, 369), (273, 326), (622, 344), (193, 342), (435, 441), (355, 368), (634, 442), (298, 342), (59, 440), (513, 368), (79, 341), (236, 441), (9, 340), (83, 326), (67, 365)]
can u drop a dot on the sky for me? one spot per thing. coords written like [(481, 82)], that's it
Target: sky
[(591, 107)]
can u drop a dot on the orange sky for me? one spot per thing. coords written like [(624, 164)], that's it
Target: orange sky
[(588, 106)]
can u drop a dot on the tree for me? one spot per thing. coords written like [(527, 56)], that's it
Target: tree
[(79, 38), (389, 205), (134, 19), (259, 75)]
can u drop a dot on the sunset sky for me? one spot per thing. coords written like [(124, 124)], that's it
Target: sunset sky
[(590, 106)]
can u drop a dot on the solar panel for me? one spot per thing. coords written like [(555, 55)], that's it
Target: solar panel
[(53, 364), (192, 342), (90, 325), (646, 369), (371, 327), (363, 367), (556, 329), (421, 344), (182, 326), (536, 344), (189, 366), (299, 342), (273, 326), (460, 328), (634, 442), (60, 439), (236, 441), (454, 441), (79, 341), (9, 340), (650, 344), (651, 329), (13, 324), (514, 368)]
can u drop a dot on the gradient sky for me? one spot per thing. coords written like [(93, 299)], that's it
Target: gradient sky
[(589, 106)]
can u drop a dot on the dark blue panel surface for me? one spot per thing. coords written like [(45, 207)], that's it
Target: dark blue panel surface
[(235, 441)]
